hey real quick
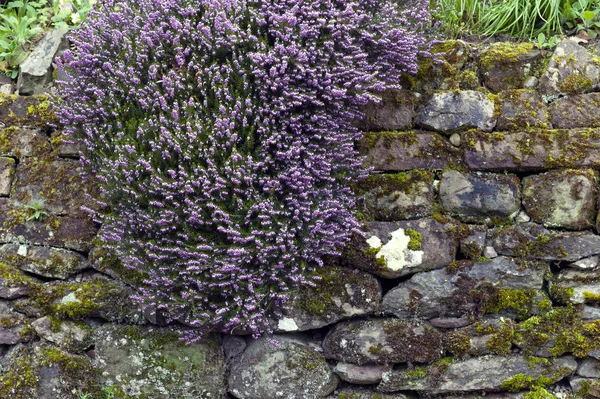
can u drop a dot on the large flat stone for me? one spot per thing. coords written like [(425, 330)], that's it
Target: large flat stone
[(488, 373), (340, 294), (382, 341), (395, 249), (477, 197), (397, 196), (409, 150), (505, 66), (43, 261), (23, 142), (532, 150), (154, 363), (290, 368), (561, 198), (444, 293), (571, 70), (450, 111), (533, 241), (36, 71), (395, 111), (576, 111), (522, 109)]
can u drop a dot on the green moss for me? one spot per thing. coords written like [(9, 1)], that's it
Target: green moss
[(502, 299), (575, 83), (518, 383), (458, 344), (560, 294), (591, 297), (417, 372), (501, 339), (503, 52), (415, 242), (20, 379)]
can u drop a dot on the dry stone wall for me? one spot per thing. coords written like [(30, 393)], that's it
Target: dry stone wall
[(477, 273)]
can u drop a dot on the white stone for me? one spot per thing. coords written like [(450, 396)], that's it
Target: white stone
[(22, 251), (287, 324), (455, 140), (490, 252)]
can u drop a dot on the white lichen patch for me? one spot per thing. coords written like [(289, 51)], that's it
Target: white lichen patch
[(395, 252), (287, 324), (22, 251)]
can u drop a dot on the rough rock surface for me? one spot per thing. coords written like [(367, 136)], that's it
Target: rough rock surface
[(576, 111), (341, 293), (532, 150), (489, 373), (561, 198), (397, 249), (533, 241), (477, 197), (36, 70), (409, 150), (154, 363), (43, 261), (398, 196), (12, 326), (522, 108), (382, 341), (23, 142), (571, 70), (506, 66), (440, 293), (65, 334), (360, 375), (395, 111), (451, 111), (7, 174), (289, 369)]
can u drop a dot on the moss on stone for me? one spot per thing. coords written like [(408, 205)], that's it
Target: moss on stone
[(503, 299), (20, 379), (415, 242)]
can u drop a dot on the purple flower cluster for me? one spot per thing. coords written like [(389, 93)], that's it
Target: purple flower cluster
[(221, 132)]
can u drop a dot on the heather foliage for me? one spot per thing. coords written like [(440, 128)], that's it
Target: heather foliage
[(221, 134)]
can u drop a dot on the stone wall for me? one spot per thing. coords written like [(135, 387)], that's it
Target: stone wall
[(477, 274)]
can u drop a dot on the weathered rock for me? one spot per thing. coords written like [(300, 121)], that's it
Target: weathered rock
[(586, 263), (533, 150), (587, 388), (341, 293), (397, 249), (462, 110), (65, 147), (487, 336), (7, 174), (522, 217), (561, 198), (489, 252), (479, 197), (56, 184), (65, 334), (521, 109), (15, 284), (576, 286), (506, 66), (399, 196), (455, 139), (357, 393), (571, 70), (589, 368), (36, 71), (45, 372), (360, 375), (395, 111), (95, 297), (443, 72), (576, 111), (290, 369), (488, 373), (382, 341), (233, 345), (13, 326), (590, 313), (409, 150), (43, 261), (74, 233), (440, 293), (473, 245), (533, 241), (153, 363), (26, 111), (23, 142)]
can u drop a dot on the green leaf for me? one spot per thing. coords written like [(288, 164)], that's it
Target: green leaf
[(588, 15)]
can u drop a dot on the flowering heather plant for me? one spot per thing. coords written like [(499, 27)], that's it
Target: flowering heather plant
[(221, 133)]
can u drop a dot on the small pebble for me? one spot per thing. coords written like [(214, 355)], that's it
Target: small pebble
[(490, 252), (455, 140)]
